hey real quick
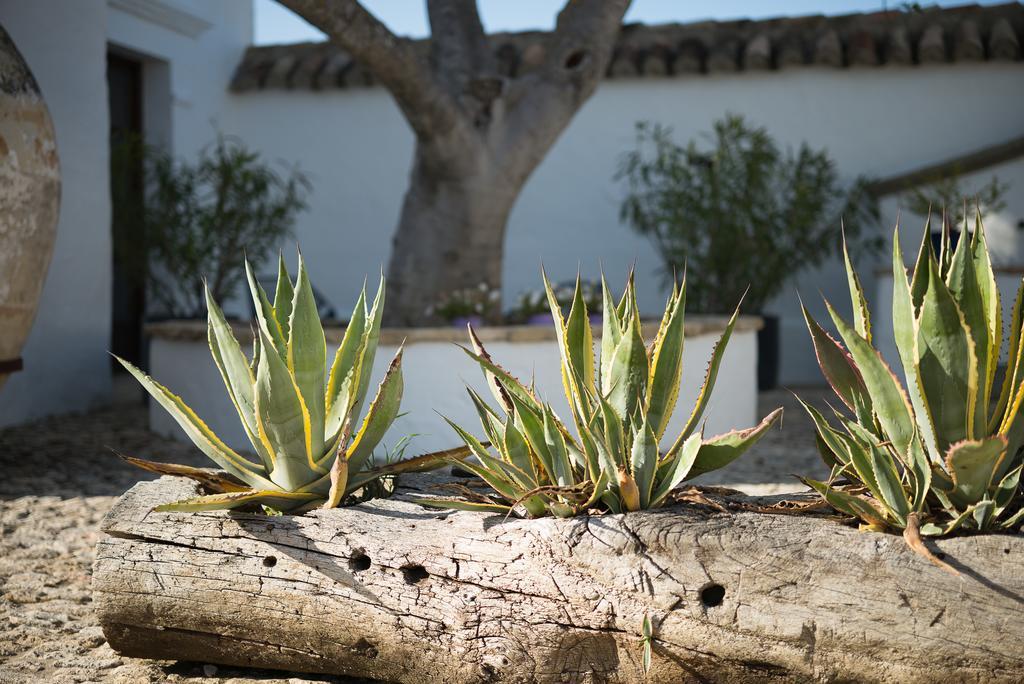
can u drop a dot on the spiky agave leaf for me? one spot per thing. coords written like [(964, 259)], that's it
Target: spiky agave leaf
[(710, 376), (666, 362), (299, 418), (275, 499), (213, 481), (719, 451), (307, 356), (234, 368), (200, 434)]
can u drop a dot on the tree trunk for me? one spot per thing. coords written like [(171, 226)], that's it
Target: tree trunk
[(451, 232), (397, 592), (479, 132)]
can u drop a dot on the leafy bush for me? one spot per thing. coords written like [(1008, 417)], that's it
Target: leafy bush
[(941, 452), (621, 407), (738, 212), (949, 192), (201, 219)]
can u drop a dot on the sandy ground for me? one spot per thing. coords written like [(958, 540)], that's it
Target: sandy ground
[(59, 476)]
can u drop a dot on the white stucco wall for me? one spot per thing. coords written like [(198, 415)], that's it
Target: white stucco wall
[(436, 374), (199, 60), (64, 43), (880, 122)]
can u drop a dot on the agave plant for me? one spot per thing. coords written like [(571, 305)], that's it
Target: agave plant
[(299, 417), (621, 408), (943, 451)]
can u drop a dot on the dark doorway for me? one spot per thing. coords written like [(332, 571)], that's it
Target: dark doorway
[(127, 183)]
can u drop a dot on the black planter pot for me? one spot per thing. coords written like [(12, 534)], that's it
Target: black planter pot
[(768, 353)]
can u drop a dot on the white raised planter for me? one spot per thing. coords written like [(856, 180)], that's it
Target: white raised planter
[(436, 373)]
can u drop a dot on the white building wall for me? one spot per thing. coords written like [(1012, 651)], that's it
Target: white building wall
[(879, 122), (64, 43), (199, 47), (191, 48)]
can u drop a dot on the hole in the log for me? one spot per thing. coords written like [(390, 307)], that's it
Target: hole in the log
[(414, 574), (365, 648), (459, 472), (269, 562), (575, 59), (1006, 550), (712, 595), (359, 562)]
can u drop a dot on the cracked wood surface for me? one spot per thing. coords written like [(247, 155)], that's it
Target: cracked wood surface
[(393, 591)]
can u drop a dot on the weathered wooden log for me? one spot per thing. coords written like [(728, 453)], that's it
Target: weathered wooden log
[(397, 592)]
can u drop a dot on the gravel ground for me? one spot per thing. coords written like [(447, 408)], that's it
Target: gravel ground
[(60, 477)]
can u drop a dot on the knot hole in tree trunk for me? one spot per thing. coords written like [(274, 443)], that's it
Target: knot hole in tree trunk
[(576, 59)]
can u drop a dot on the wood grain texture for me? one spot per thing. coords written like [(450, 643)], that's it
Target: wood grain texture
[(393, 591)]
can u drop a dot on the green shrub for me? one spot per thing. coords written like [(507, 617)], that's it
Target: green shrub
[(201, 220), (738, 212)]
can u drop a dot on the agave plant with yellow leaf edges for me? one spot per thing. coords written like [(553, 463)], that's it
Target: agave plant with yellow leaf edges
[(621, 408), (300, 417), (941, 452)]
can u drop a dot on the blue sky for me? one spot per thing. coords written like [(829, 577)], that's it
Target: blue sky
[(274, 24)]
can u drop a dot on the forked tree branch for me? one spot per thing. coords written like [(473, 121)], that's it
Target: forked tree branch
[(459, 47), (576, 56), (587, 26), (427, 106)]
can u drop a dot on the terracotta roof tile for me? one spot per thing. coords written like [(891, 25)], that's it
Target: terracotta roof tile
[(931, 49), (1003, 43), (757, 55), (861, 49), (897, 50), (967, 45), (970, 33)]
